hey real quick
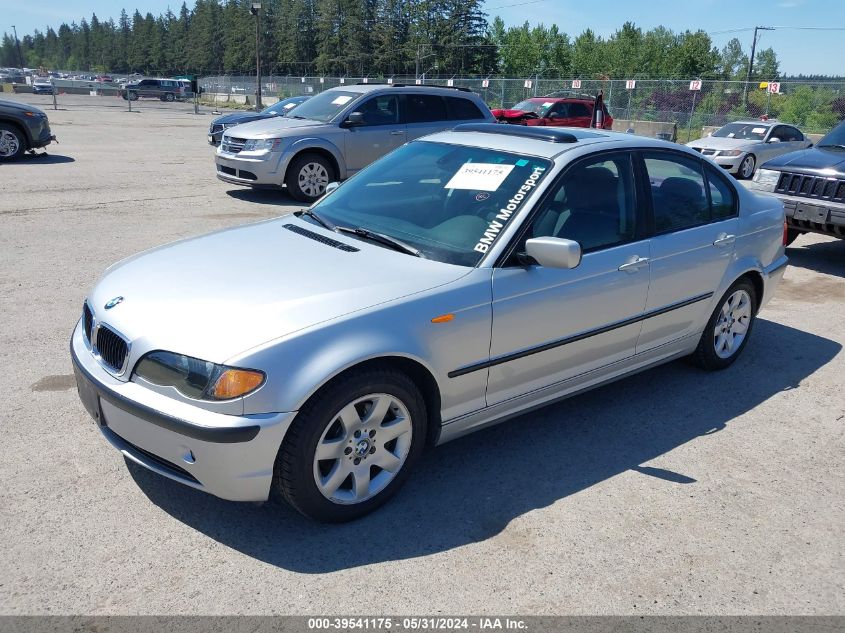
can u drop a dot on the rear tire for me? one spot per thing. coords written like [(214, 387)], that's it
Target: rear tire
[(307, 177), (133, 96), (12, 143), (170, 97), (729, 327), (352, 446)]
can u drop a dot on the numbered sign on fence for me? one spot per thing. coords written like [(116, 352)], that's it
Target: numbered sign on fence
[(576, 84), (774, 87), (630, 84), (485, 83), (450, 82), (695, 84), (528, 83), (365, 80), (342, 80), (303, 80), (322, 80), (390, 81), (418, 82)]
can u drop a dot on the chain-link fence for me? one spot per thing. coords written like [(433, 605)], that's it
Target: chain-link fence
[(689, 104)]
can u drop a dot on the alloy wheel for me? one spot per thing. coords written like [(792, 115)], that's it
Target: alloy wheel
[(362, 448), (746, 168), (9, 144), (732, 324)]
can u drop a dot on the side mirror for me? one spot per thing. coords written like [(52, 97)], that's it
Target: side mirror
[(331, 187), (774, 139), (355, 118), (554, 252)]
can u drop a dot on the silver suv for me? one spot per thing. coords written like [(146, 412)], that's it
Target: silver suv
[(339, 132)]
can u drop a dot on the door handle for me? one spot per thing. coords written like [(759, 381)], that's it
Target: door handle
[(725, 240), (635, 265), (396, 132)]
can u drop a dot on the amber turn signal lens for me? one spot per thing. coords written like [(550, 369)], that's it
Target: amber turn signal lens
[(443, 318), (236, 382)]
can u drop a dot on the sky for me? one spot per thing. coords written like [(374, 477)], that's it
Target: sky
[(799, 51)]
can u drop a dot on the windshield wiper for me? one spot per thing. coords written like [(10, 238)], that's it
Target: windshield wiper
[(837, 145), (385, 240), (325, 223)]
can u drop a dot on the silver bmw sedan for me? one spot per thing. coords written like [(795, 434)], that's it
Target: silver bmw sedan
[(458, 281)]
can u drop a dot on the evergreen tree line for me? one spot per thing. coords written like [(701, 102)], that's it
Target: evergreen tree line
[(371, 38)]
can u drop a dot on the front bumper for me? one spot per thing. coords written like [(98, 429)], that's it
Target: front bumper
[(267, 171), (729, 163), (812, 215), (229, 456)]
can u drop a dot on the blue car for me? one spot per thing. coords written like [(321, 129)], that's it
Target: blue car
[(280, 108)]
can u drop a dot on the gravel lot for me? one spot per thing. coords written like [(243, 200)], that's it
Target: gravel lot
[(675, 491)]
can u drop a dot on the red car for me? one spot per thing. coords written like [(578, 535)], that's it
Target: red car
[(554, 111)]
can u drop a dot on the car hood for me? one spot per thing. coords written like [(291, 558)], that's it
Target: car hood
[(22, 107), (276, 127), (237, 118), (512, 114), (216, 296), (812, 159), (721, 142)]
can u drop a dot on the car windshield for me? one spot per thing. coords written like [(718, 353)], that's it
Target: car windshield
[(449, 202), (835, 138), (325, 106), (744, 131), (537, 107), (282, 107)]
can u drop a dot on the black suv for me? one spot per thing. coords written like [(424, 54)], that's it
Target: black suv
[(811, 183), (164, 89), (22, 127)]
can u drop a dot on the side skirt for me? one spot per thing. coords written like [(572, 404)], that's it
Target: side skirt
[(545, 396)]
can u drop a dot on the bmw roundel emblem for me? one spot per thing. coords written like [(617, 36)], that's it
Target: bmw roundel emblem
[(112, 303)]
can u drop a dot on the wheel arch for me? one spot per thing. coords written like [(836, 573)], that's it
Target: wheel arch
[(331, 154), (756, 279), (415, 370)]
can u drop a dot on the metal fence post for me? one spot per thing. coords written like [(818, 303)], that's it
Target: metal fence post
[(53, 84)]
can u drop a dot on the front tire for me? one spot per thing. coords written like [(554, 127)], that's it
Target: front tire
[(746, 167), (351, 447), (133, 96), (12, 143), (308, 176), (729, 327), (170, 97)]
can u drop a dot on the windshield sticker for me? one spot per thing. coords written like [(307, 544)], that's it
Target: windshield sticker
[(521, 162), (505, 213), (289, 106), (731, 135), (342, 100), (758, 130), (548, 103), (483, 176)]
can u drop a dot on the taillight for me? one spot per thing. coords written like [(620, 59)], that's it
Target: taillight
[(785, 233)]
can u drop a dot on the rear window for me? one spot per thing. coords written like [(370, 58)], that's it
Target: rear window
[(462, 109)]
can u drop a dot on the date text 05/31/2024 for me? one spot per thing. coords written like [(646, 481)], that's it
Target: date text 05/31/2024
[(417, 624)]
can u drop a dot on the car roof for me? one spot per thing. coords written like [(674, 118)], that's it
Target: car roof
[(537, 141), (560, 99), (427, 88)]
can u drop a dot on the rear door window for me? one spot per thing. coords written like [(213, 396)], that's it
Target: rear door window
[(678, 193), (422, 108)]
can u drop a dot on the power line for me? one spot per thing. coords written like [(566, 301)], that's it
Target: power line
[(517, 4)]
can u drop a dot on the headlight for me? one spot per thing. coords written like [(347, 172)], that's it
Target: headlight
[(197, 378), (767, 178), (731, 152), (256, 145)]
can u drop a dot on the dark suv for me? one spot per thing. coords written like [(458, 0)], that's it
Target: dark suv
[(811, 183), (22, 127), (164, 89)]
